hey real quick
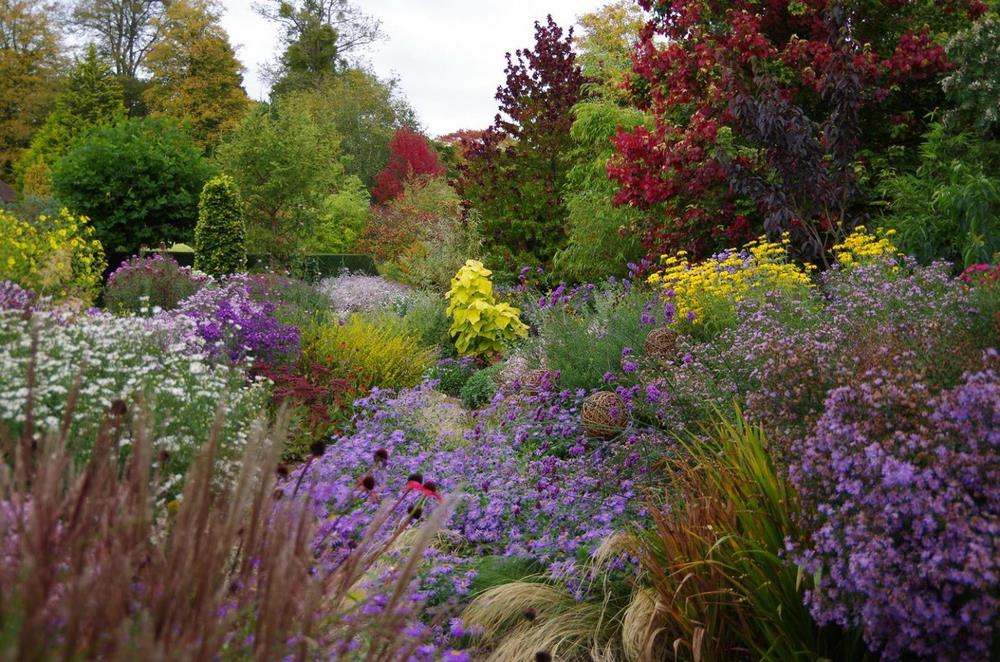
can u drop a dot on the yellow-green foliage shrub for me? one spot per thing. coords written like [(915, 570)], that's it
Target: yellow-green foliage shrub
[(369, 351), (53, 256), (480, 325)]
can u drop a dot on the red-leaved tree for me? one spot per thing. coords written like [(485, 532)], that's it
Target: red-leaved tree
[(409, 156), (514, 172), (776, 115)]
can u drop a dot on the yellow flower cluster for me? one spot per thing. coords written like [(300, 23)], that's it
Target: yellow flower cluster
[(707, 291), (53, 256), (862, 247)]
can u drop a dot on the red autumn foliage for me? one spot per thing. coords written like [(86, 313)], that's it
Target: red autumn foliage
[(324, 398), (409, 156), (770, 114), (514, 171)]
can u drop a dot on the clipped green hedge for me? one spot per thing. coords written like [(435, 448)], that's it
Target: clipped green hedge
[(220, 236), (312, 267), (317, 266)]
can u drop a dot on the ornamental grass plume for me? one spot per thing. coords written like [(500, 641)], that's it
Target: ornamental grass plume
[(609, 624), (91, 568)]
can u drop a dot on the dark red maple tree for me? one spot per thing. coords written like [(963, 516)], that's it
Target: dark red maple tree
[(409, 156), (771, 116), (514, 172)]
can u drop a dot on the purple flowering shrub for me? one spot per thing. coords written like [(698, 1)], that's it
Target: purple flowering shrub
[(604, 320), (784, 355), (145, 283), (901, 493), (297, 302), (15, 297), (235, 325)]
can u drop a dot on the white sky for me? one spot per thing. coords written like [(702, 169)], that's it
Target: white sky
[(447, 54)]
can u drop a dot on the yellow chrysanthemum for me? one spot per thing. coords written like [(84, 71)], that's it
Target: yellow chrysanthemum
[(862, 247), (711, 288)]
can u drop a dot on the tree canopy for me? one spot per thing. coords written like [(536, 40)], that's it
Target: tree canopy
[(284, 164), (138, 181), (30, 61), (195, 76), (92, 96), (514, 174), (319, 36)]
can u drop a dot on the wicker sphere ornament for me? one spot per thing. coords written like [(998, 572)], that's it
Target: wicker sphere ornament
[(604, 415), (535, 381), (661, 343)]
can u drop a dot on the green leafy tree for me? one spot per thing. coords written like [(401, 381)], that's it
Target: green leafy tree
[(973, 86), (606, 43), (284, 163), (138, 181), (949, 208), (319, 36), (124, 31), (220, 237), (196, 77), (341, 217), (365, 111), (601, 238), (91, 97), (30, 61)]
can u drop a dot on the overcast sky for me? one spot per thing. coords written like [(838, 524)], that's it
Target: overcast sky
[(447, 54)]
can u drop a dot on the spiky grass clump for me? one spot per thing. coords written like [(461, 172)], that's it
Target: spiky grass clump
[(90, 568), (715, 556), (531, 614)]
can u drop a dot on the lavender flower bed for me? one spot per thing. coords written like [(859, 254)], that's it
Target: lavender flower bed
[(361, 293), (534, 485), (15, 297)]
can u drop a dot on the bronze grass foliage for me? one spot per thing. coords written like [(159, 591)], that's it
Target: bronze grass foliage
[(92, 568), (715, 558)]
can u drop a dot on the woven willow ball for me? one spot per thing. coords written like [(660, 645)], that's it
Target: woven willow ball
[(534, 381), (661, 343), (604, 415)]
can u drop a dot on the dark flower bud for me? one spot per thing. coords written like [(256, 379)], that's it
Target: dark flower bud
[(382, 455), (164, 457), (530, 614), (278, 494), (430, 486), (368, 482), (542, 656), (282, 471), (317, 448), (118, 408), (415, 478)]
